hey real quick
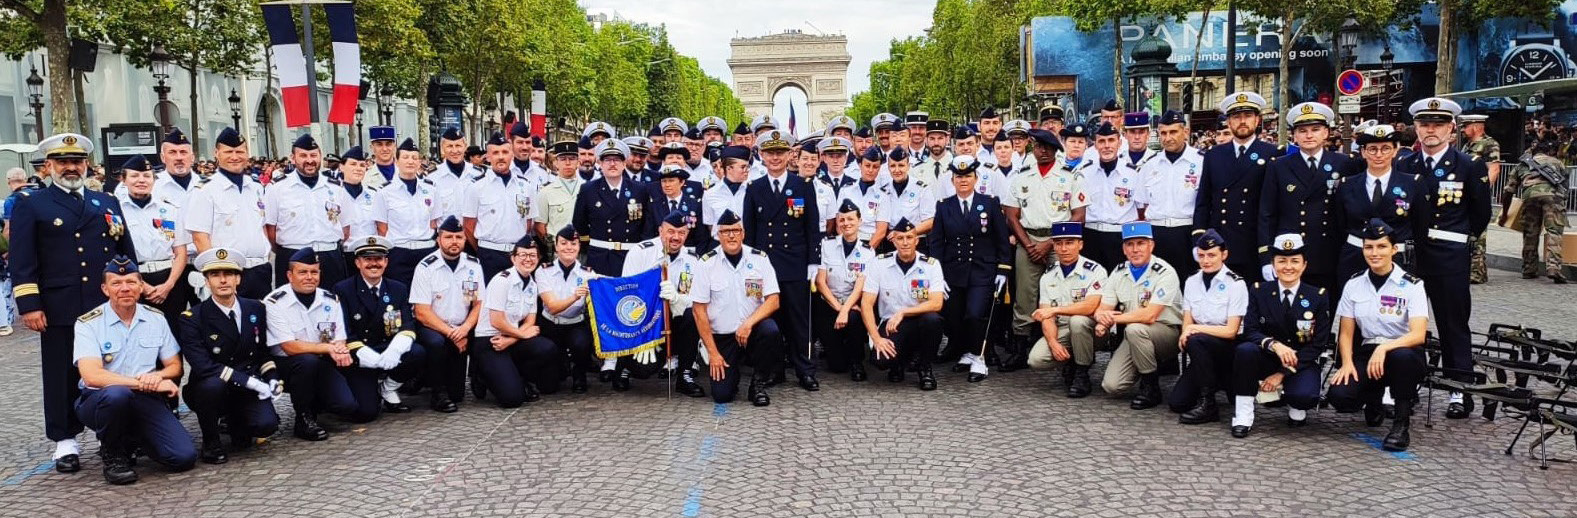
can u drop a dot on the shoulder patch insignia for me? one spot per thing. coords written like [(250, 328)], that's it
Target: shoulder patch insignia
[(1412, 278), (884, 256), (1322, 291), (89, 316), (830, 238), (1089, 265), (709, 255), (276, 296), (758, 252), (329, 294), (501, 274), (430, 260), (186, 313), (151, 308), (1234, 275), (1156, 267), (648, 244)]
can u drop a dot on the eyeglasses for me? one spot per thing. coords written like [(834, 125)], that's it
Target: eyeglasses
[(1377, 150), (524, 255)]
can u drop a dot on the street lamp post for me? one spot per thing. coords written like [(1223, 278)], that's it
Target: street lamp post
[(161, 73), (1347, 38), (1387, 60), (35, 100), (235, 110), (386, 106), (1151, 71), (358, 124)]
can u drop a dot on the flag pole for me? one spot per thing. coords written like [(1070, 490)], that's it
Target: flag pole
[(668, 346)]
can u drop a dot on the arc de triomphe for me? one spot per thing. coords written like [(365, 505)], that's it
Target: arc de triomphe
[(818, 65)]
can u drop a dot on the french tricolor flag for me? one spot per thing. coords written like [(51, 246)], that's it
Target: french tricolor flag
[(290, 66), (347, 63)]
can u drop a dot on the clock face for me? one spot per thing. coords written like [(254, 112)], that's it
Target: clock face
[(1532, 63)]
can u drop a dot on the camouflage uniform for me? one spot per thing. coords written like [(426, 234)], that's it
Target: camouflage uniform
[(1543, 211), (1485, 150)]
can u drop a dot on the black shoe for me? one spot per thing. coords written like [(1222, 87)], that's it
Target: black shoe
[(1460, 410), (605, 376), (307, 427), (621, 382), (478, 388), (1240, 431), (1204, 411), (396, 408), (1398, 438), (687, 384), (1373, 415), (1558, 279), (442, 403), (927, 379), (774, 379), (959, 368), (1079, 385), (857, 372), (975, 377), (895, 374), (1297, 423), (1017, 357), (239, 443), (809, 383), (578, 384), (758, 394), (1148, 394), (213, 452), (69, 463), (532, 394), (117, 470)]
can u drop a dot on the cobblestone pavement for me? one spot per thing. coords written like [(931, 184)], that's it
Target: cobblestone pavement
[(1012, 446)]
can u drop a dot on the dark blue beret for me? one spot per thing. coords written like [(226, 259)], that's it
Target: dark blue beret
[(305, 142), (305, 256), (1173, 117), (568, 232), (737, 152), (873, 154), (1210, 239), (677, 218), (497, 140), (1376, 229), (354, 153), (229, 137), (989, 113), (520, 129), (903, 225), (408, 145), (728, 218), (1112, 106), (963, 132), (135, 163), (1105, 130), (176, 137), (848, 206), (898, 153), (453, 133), (451, 224)]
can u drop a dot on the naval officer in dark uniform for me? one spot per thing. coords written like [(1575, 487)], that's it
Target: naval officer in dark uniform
[(1296, 195), (1287, 327), (970, 238), (1229, 183), (781, 219), (611, 213), (225, 339), (1456, 194), (61, 238)]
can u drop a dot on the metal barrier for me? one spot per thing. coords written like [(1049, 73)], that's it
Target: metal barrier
[(1506, 168)]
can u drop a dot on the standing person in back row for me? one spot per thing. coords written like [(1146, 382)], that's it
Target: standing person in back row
[(1229, 184), (781, 220), (227, 210)]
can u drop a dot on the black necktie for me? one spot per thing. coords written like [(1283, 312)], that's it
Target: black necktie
[(230, 314), (1240, 151), (965, 206), (76, 194), (777, 186), (1374, 198), (1429, 163), (1287, 296), (1313, 164), (673, 205)]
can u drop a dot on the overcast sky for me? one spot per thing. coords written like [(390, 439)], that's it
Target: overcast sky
[(702, 28)]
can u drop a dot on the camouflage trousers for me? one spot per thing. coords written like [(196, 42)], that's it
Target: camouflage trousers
[(1478, 272), (1546, 216)]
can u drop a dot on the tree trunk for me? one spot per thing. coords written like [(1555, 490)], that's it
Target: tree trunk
[(1446, 55), (1117, 62), (57, 50), (1283, 96), (81, 103), (1193, 68), (423, 129)]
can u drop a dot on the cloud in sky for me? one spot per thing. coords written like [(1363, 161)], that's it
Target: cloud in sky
[(702, 28)]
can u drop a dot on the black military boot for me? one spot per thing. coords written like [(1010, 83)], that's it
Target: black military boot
[(578, 383), (307, 427), (1398, 438), (1204, 411), (621, 381), (213, 451), (895, 374), (1017, 357), (1079, 386), (687, 384), (1148, 393), (758, 393), (532, 393), (1375, 413), (857, 372), (927, 378), (441, 403), (117, 467), (1460, 410)]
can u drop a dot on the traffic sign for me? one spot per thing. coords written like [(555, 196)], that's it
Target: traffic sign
[(1350, 82), (1347, 104)]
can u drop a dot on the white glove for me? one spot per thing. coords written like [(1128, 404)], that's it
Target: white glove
[(400, 345), (668, 291), (276, 387), (810, 272), (1002, 283), (646, 357), (1268, 272), (263, 390), (369, 358)]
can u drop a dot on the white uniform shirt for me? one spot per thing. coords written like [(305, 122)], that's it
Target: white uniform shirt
[(1157, 285), (1112, 197), (1224, 298), (683, 269), (502, 210), (870, 204), (452, 190), (288, 320), (555, 202), (409, 216), (165, 189), (1046, 199), (896, 289), (303, 216), (153, 230), (359, 213), (1383, 314), (843, 270), (449, 292), (510, 293), (1082, 281), (232, 217), (990, 181), (551, 279), (719, 198), (917, 203), (1169, 187), (732, 292), (828, 201)]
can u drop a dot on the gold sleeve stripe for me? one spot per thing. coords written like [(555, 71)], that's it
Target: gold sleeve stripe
[(23, 290)]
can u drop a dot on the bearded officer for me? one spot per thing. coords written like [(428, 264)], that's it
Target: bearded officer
[(781, 219), (129, 364), (406, 211), (1171, 180), (1455, 208), (1287, 327), (970, 240), (902, 308), (678, 288), (378, 316), (228, 210), (611, 211), (446, 295), (498, 210), (307, 211), (233, 376), (1296, 195), (1230, 180), (50, 229)]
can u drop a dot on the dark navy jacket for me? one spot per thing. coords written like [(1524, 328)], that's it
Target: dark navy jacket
[(59, 246), (602, 213), (1228, 197), (1296, 200), (973, 246), (214, 347), (364, 308), (786, 226), (1269, 318), (1456, 198)]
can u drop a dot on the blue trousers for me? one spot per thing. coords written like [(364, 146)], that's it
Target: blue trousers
[(507, 372), (1250, 364), (1209, 366), (247, 416), (120, 416), (1404, 369), (763, 353), (316, 385), (443, 366), (916, 341)]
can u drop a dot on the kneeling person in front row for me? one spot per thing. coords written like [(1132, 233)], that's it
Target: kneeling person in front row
[(1070, 293), (841, 283), (668, 249), (511, 354), (1214, 302), (1142, 296), (733, 308), (1384, 316), (906, 290), (128, 361), (446, 298), (562, 286), (306, 333), (1287, 328), (378, 316), (224, 339)]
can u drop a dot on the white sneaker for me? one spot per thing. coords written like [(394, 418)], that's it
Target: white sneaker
[(390, 390), (6, 330)]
